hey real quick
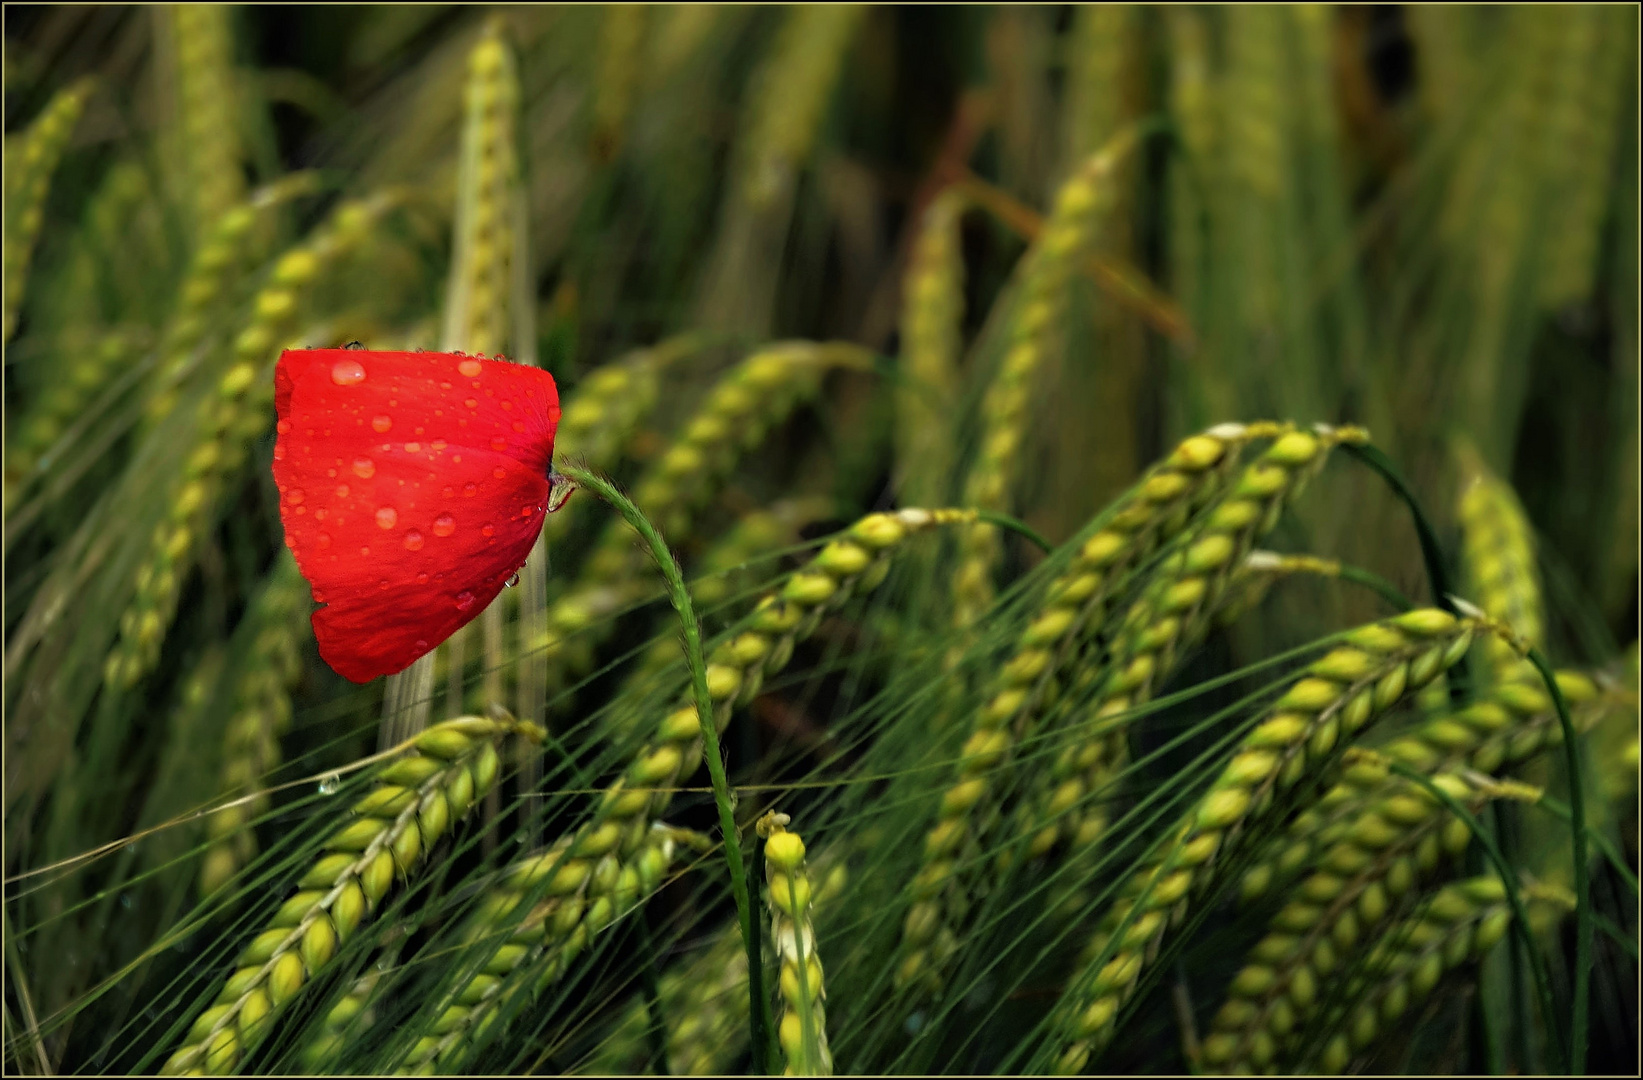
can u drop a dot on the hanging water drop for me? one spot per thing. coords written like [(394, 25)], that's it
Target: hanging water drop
[(330, 784)]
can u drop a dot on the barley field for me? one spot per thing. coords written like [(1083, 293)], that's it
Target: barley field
[(1107, 541)]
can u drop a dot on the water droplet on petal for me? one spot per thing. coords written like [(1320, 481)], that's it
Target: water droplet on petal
[(413, 540), (498, 443), (472, 403), (422, 579), (387, 516), (470, 490), (413, 447), (507, 406), (279, 451), (444, 525), (500, 473), (364, 551), (342, 491), (421, 645), (364, 468), (283, 427), (519, 425), (347, 372), (486, 530), (295, 496), (438, 444), (324, 541), (464, 600), (513, 579), (382, 423), (330, 784), (319, 514), (470, 368), (383, 584)]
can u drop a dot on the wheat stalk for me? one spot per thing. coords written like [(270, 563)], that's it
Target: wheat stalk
[(413, 804), (1334, 700), (802, 1026), (1399, 837), (29, 168)]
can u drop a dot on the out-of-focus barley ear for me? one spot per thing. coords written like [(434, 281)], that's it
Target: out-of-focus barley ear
[(791, 94), (544, 913), (1498, 551), (932, 325), (1455, 925), (1400, 838), (1582, 128), (415, 801), (801, 1024), (621, 38), (351, 1015), (753, 397), (30, 163), (1080, 209), (35, 432), (1169, 618), (1077, 604), (278, 625), (199, 44), (226, 250), (230, 419), (1510, 723), (476, 302), (786, 101), (1335, 699)]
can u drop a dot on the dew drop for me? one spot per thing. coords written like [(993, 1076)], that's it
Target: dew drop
[(319, 514), (330, 784), (507, 406), (387, 516), (438, 444), (500, 473), (413, 540), (382, 423), (421, 645), (498, 443), (383, 584), (295, 496), (513, 579), (413, 447), (332, 473), (470, 490), (486, 530), (464, 600), (444, 525), (420, 430), (448, 491), (279, 451), (324, 541), (342, 491), (364, 468), (444, 386), (518, 425), (283, 427), (347, 372), (364, 551), (422, 579), (469, 368), (472, 403)]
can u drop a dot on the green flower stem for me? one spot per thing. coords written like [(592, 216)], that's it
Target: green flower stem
[(680, 597), (1583, 885)]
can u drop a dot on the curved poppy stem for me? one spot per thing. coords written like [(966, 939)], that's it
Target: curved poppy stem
[(680, 597)]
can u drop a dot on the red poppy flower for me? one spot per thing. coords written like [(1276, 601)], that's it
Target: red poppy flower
[(412, 486)]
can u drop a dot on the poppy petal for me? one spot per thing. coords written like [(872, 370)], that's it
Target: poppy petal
[(412, 486)]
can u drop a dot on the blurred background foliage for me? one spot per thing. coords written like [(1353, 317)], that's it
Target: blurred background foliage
[(789, 266)]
